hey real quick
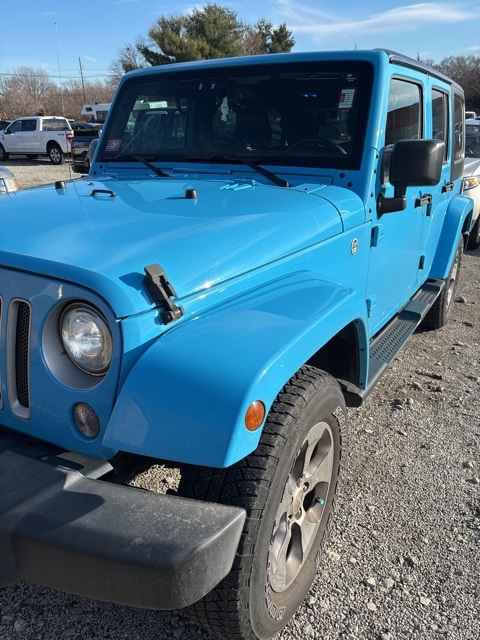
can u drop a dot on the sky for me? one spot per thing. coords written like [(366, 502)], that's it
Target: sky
[(56, 35)]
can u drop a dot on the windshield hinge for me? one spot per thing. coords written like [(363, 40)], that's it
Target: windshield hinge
[(161, 291)]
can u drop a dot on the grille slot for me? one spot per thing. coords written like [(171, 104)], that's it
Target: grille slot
[(18, 357), (22, 348), (1, 329)]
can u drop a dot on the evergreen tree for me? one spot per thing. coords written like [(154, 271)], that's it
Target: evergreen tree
[(212, 31)]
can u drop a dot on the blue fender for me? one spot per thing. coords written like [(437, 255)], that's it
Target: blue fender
[(186, 397), (458, 210)]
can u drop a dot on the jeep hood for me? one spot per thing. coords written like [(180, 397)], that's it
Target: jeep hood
[(102, 234)]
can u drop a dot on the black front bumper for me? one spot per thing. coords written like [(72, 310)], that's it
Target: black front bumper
[(107, 541)]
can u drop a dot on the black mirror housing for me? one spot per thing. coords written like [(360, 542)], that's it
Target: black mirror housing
[(417, 163), (413, 163)]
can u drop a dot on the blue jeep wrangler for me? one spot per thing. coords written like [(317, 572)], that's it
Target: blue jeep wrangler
[(255, 241)]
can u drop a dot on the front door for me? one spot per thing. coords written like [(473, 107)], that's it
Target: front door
[(396, 237), (13, 137)]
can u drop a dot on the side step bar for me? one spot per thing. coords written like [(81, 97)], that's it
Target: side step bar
[(385, 346)]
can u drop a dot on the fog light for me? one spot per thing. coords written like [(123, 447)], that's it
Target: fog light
[(86, 420)]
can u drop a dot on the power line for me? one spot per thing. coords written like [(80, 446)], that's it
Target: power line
[(57, 77)]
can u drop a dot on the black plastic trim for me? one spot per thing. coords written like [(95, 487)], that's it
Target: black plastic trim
[(405, 61), (385, 346), (107, 541)]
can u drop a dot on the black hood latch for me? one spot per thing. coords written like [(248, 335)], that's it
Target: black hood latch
[(161, 292)]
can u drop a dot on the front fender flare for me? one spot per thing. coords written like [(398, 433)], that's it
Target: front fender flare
[(457, 212), (186, 397)]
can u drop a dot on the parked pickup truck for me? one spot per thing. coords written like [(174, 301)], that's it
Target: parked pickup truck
[(245, 259), (84, 142), (37, 136)]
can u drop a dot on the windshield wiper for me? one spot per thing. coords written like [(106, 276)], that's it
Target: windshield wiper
[(156, 170), (280, 182)]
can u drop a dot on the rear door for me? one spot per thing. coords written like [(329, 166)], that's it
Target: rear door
[(445, 122), (31, 135)]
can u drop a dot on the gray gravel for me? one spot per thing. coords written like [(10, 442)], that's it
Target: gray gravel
[(403, 557)]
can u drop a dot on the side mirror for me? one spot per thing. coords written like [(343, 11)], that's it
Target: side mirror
[(7, 131), (413, 163)]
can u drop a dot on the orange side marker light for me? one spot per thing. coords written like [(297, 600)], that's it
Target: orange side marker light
[(254, 415)]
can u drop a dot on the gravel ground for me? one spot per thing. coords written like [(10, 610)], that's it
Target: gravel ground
[(403, 557)]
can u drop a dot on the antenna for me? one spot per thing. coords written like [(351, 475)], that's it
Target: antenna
[(61, 91), (59, 72)]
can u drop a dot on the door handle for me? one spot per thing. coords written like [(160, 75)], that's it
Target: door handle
[(421, 202), (448, 187)]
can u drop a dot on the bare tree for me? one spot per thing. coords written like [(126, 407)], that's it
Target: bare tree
[(466, 71), (254, 42), (26, 92), (30, 91), (128, 58)]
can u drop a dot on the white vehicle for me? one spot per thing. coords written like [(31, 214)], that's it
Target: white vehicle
[(471, 178), (96, 112), (8, 182), (35, 136), (470, 115)]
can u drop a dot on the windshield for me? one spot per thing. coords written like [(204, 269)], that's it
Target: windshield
[(308, 114), (472, 140)]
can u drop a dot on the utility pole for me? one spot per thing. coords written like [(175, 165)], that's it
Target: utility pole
[(83, 81)]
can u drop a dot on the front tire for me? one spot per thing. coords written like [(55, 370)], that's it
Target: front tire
[(55, 154), (3, 154), (474, 237), (441, 310), (288, 487)]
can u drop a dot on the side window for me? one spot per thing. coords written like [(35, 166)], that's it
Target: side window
[(29, 125), (458, 136), (405, 117), (459, 139), (440, 119), (55, 124), (16, 126)]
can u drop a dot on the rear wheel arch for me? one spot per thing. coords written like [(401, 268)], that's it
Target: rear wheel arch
[(55, 153)]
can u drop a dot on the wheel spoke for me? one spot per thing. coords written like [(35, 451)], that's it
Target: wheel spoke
[(280, 559), (287, 498), (309, 531), (319, 458), (323, 471)]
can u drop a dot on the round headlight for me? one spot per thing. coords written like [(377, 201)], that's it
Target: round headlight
[(86, 339)]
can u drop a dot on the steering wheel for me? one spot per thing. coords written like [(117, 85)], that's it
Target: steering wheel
[(326, 143)]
